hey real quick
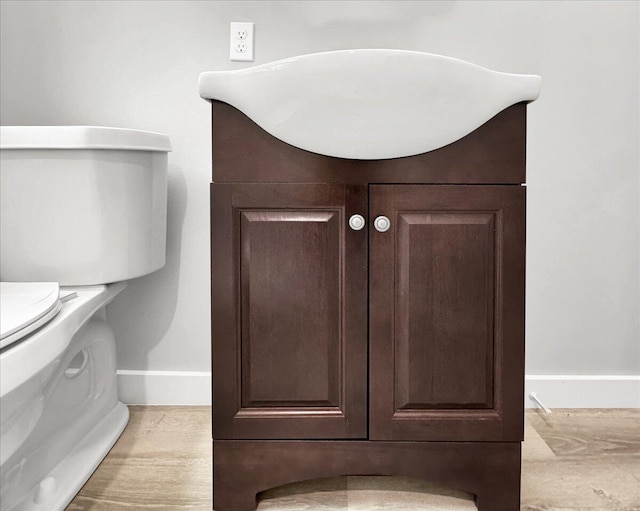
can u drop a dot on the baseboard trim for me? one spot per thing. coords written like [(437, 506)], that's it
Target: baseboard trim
[(583, 391), (164, 387), (555, 391)]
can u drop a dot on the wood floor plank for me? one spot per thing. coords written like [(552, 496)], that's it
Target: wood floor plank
[(604, 483), (162, 461), (403, 494), (589, 432), (321, 494)]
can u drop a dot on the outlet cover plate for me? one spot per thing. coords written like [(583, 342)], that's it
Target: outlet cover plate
[(241, 41)]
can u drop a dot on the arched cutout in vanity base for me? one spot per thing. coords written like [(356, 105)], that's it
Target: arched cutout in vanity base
[(377, 492), (488, 470)]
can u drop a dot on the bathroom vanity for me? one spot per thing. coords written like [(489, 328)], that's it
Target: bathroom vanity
[(367, 276)]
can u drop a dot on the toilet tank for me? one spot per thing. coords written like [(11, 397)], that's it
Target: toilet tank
[(81, 205)]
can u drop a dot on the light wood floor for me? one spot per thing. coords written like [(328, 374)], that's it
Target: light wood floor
[(587, 460)]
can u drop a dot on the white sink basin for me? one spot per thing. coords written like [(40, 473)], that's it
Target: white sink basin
[(369, 104)]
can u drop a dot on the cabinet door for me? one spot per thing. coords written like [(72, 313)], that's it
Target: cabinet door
[(447, 313), (289, 311)]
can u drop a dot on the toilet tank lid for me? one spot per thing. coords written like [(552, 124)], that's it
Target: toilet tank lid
[(82, 137)]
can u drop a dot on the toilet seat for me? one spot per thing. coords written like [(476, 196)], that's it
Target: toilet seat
[(25, 307)]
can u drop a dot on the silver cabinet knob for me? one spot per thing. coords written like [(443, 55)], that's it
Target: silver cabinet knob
[(356, 222), (382, 224)]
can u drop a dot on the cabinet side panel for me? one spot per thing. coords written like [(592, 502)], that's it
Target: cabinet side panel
[(444, 313), (290, 298)]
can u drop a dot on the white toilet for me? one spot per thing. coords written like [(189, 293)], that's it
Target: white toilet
[(82, 210)]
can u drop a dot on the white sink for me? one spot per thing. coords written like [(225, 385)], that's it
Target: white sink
[(369, 104)]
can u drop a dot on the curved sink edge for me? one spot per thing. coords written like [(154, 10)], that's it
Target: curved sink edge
[(365, 125)]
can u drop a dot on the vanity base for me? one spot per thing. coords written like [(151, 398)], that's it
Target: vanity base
[(488, 470)]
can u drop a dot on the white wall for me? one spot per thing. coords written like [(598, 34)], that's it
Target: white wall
[(135, 64)]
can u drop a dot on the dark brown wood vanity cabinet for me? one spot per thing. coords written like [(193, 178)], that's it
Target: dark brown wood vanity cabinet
[(358, 352)]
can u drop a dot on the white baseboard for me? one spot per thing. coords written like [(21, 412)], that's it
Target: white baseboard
[(583, 391), (555, 391), (164, 387)]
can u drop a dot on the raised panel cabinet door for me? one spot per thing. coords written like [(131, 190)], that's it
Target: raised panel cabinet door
[(289, 311), (447, 313)]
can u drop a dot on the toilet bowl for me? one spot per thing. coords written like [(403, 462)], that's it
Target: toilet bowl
[(82, 210)]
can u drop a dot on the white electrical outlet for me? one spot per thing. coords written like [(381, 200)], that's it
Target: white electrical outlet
[(241, 41)]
